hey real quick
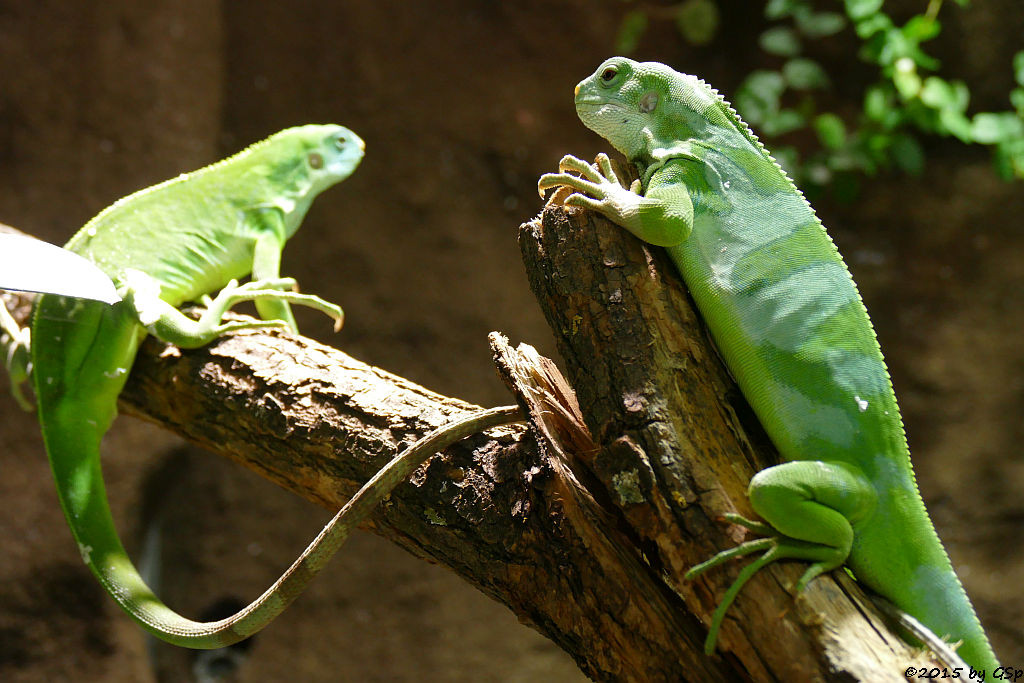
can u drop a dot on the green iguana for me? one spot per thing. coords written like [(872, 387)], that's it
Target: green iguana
[(790, 324), (161, 247)]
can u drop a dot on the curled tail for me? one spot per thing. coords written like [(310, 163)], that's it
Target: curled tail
[(77, 402), (86, 507)]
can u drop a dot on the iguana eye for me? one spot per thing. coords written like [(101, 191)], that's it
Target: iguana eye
[(608, 74), (315, 160)]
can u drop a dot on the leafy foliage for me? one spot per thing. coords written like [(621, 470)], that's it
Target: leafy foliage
[(907, 100)]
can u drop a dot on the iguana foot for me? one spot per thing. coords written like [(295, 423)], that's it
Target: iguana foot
[(167, 323), (809, 507), (664, 219), (776, 546), (597, 186), (277, 289)]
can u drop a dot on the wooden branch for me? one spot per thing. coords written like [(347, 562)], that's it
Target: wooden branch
[(496, 508), (585, 543), (676, 447)]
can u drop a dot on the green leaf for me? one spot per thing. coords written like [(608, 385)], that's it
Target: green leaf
[(783, 122), (907, 153), (942, 94), (989, 129), (920, 28), (788, 158), (858, 10), (1017, 99), (962, 95), (804, 74), (831, 130), (925, 61), (876, 103), (1009, 159), (892, 45), (1018, 67), (861, 159), (757, 98), (820, 24), (877, 146), (780, 40), (697, 21), (937, 93), (632, 28), (877, 23), (956, 124), (1016, 154), (777, 9), (906, 80)]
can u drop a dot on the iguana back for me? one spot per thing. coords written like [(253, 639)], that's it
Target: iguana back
[(791, 326), (195, 232)]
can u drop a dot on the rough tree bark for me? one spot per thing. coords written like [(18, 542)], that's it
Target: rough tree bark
[(584, 539)]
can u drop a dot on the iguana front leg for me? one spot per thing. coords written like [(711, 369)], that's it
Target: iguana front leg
[(272, 233), (169, 324), (266, 265), (663, 215)]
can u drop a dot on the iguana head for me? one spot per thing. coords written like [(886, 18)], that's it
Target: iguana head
[(291, 167), (303, 161), (329, 153), (641, 107)]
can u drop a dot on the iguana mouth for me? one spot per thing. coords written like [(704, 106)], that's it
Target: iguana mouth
[(595, 101), (597, 106)]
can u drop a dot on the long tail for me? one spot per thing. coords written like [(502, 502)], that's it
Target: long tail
[(81, 356), (85, 505), (934, 595)]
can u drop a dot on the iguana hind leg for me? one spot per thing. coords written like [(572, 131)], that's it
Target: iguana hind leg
[(809, 507)]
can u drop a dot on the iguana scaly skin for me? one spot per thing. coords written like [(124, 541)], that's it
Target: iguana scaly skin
[(790, 325), (163, 246)]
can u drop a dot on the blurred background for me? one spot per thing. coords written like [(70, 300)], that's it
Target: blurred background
[(904, 136)]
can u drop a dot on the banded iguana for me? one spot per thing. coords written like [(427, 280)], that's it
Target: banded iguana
[(789, 322)]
